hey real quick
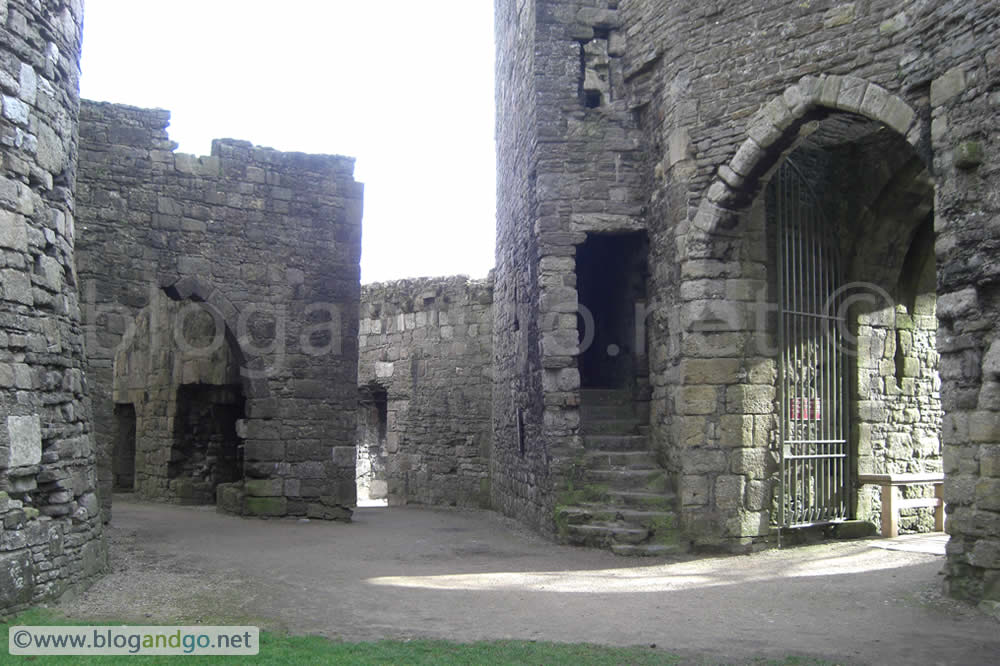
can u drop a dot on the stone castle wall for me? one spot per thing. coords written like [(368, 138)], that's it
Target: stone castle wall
[(686, 109), (51, 536), (269, 242), (427, 344)]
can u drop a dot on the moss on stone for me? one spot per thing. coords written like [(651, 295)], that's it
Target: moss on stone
[(267, 506), (665, 531)]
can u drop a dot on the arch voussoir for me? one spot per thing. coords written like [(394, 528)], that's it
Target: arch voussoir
[(777, 124)]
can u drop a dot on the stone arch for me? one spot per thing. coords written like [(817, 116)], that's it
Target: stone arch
[(253, 368), (726, 380), (178, 381), (775, 130)]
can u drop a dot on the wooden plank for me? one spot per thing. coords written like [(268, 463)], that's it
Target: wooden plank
[(902, 479), (939, 511), (916, 503), (890, 513), (892, 502)]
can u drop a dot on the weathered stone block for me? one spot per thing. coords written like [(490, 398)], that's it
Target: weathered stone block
[(984, 426), (968, 155), (694, 490), (758, 495), (986, 554), (324, 511), (947, 86), (736, 430), (729, 491), (704, 461), (344, 456), (989, 460), (697, 400), (958, 303), (17, 579), (16, 287), (839, 15), (264, 450), (25, 441), (711, 371), (266, 506), (960, 489), (987, 494), (265, 487), (13, 233), (750, 399), (229, 497), (754, 463)]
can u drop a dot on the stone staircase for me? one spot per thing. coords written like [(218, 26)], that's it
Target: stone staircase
[(623, 500)]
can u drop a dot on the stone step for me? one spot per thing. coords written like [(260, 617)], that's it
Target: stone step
[(629, 459), (628, 479), (606, 412), (605, 397), (643, 500), (615, 442), (603, 535), (593, 512), (612, 427), (647, 549)]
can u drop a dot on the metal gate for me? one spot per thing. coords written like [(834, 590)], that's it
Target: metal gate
[(812, 387)]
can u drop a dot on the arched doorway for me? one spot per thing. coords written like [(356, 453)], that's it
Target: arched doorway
[(180, 404), (862, 157), (849, 228)]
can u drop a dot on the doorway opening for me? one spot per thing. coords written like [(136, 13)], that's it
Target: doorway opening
[(611, 273), (849, 214), (373, 427), (124, 454), (206, 449)]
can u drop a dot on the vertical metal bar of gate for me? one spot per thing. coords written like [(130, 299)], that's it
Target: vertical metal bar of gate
[(813, 427)]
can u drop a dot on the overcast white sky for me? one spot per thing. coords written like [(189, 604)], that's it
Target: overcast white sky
[(404, 86)]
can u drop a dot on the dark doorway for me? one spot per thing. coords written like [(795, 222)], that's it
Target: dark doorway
[(206, 449), (611, 271), (124, 457)]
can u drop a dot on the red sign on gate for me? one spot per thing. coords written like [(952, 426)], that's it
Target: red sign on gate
[(805, 409)]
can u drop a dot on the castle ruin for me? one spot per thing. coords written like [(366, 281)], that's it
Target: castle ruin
[(746, 261)]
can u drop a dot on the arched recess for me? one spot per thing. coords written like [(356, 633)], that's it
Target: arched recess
[(195, 394), (734, 449), (253, 369)]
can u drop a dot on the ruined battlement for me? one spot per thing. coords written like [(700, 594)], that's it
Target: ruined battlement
[(138, 127), (267, 246)]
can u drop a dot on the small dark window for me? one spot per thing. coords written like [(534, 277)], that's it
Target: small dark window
[(591, 99)]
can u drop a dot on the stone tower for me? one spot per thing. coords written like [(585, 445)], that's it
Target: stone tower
[(52, 535), (642, 150)]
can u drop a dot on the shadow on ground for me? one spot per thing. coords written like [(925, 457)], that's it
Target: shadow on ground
[(468, 575)]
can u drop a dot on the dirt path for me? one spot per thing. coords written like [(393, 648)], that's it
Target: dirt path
[(466, 575)]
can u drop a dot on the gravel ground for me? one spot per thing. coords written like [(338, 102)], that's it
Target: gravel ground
[(468, 575)]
